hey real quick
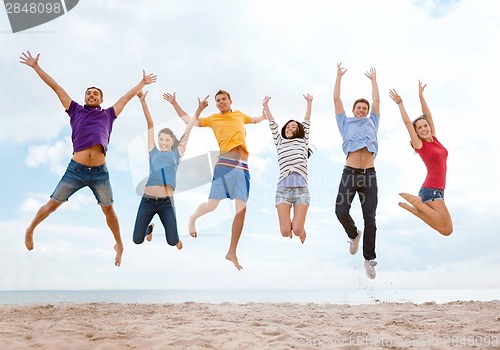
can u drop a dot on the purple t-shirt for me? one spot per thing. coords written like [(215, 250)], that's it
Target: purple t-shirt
[(90, 126)]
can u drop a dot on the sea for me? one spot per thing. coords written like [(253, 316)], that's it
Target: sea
[(304, 296)]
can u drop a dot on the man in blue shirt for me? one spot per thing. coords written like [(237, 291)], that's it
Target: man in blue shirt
[(360, 145)]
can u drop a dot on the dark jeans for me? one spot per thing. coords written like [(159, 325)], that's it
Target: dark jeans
[(165, 209), (366, 186)]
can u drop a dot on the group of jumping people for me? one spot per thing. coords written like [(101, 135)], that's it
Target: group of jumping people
[(91, 128)]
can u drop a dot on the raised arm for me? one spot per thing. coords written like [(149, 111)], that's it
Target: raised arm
[(255, 120), (32, 62), (267, 112), (416, 142), (337, 102), (372, 75), (185, 136), (425, 108), (309, 99), (149, 120), (146, 80), (178, 109), (202, 104)]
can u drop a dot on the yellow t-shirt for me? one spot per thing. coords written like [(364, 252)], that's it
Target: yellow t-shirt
[(228, 128)]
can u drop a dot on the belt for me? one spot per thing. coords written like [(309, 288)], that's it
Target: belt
[(157, 199), (358, 170)]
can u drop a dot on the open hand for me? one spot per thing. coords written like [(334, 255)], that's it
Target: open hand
[(148, 79), (371, 74), (29, 60), (169, 97)]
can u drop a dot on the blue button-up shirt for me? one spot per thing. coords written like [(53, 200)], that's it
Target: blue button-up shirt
[(358, 132)]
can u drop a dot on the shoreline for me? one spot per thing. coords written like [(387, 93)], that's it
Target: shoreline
[(366, 296)]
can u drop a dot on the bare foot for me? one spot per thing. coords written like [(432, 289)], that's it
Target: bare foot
[(303, 237), (28, 239), (119, 252), (234, 260), (149, 236), (179, 245), (408, 207), (192, 227), (415, 200)]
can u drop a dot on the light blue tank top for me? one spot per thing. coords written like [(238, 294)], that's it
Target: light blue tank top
[(163, 167)]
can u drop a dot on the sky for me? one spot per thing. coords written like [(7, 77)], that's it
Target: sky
[(283, 49)]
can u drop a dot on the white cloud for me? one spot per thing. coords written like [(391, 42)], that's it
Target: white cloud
[(55, 155), (77, 202), (437, 7)]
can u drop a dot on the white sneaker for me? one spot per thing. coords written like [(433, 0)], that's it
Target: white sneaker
[(370, 268), (354, 243)]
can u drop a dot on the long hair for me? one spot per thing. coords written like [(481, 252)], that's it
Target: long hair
[(422, 117), (168, 131), (298, 134), (414, 123)]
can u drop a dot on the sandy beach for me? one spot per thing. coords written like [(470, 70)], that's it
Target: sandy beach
[(458, 325)]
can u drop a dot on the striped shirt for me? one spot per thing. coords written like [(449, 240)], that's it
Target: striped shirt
[(292, 153)]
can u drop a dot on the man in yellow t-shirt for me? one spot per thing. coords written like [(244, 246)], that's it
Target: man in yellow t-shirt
[(231, 176)]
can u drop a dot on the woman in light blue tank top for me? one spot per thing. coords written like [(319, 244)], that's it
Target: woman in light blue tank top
[(158, 194), (292, 145)]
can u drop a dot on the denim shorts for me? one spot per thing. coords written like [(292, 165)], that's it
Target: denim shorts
[(292, 195), (78, 176), (431, 194)]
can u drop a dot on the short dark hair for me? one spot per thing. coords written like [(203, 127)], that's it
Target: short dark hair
[(363, 100), (93, 87), (222, 92)]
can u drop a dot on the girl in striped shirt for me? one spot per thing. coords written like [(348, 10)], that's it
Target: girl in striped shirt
[(292, 145)]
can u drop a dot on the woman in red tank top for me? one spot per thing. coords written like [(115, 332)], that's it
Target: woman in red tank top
[(429, 205)]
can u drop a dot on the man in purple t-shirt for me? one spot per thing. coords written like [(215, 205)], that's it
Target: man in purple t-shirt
[(91, 128)]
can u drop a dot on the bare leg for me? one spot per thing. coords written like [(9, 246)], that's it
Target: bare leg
[(237, 228), (203, 208), (299, 219), (42, 213), (112, 221), (434, 213), (284, 219), (179, 245)]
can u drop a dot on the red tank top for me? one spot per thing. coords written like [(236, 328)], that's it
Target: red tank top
[(434, 156)]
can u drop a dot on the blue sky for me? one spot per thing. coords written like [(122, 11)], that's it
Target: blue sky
[(254, 48)]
